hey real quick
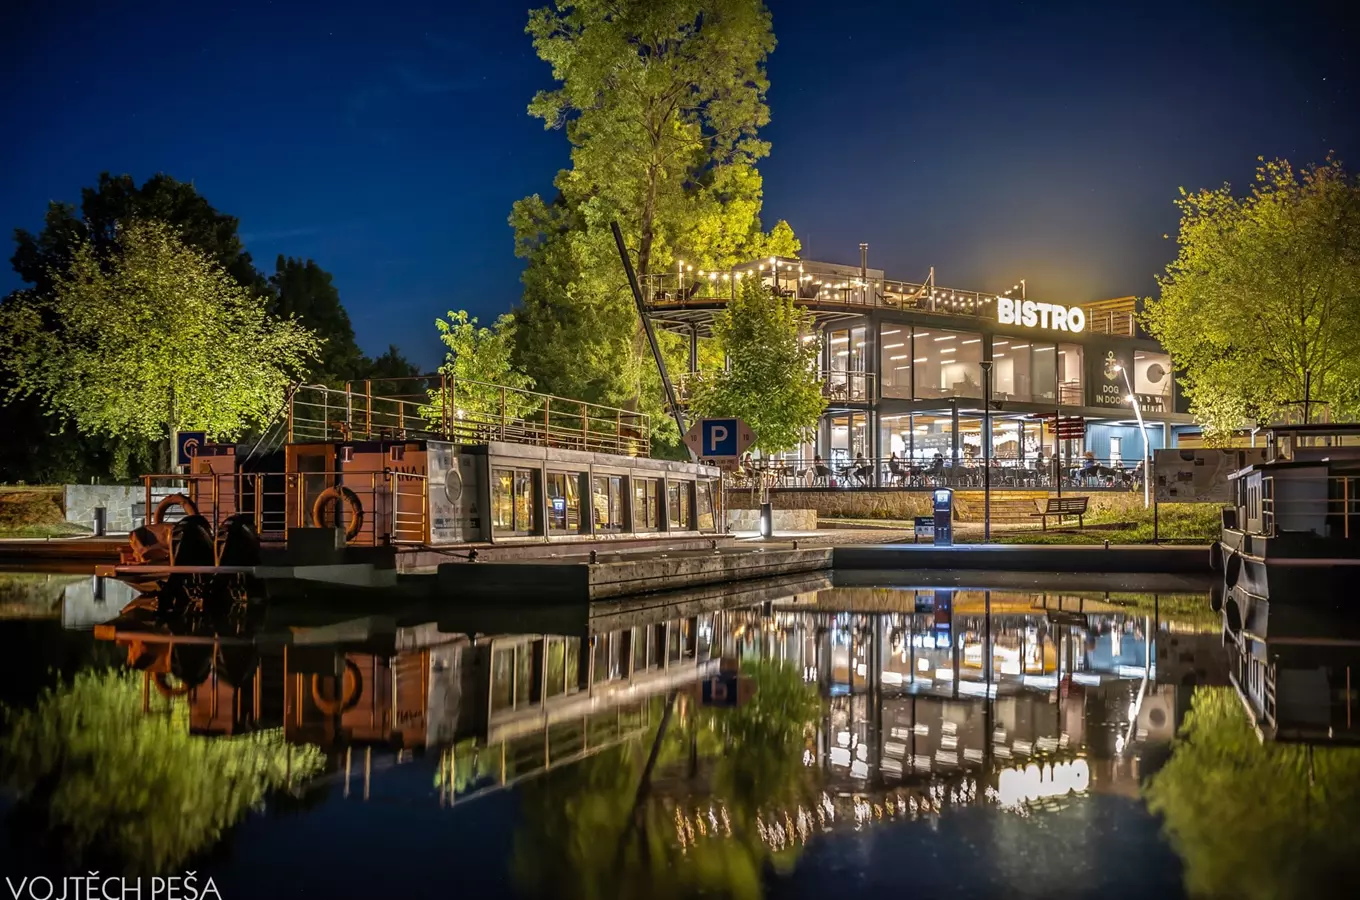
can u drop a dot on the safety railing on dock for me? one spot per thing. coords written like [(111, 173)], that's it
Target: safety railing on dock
[(844, 473), (379, 507), (465, 412)]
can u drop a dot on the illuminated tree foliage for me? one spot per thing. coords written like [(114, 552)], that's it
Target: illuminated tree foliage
[(661, 101), (154, 338), (111, 785), (590, 831), (1264, 293), (477, 359), (771, 377), (1254, 820)]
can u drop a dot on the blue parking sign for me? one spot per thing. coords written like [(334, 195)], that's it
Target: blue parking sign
[(186, 446), (719, 437)]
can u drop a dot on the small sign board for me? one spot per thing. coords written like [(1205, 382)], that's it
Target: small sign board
[(186, 446), (1199, 475), (925, 526), (719, 438)]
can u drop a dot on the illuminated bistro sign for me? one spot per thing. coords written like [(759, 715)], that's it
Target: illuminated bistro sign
[(1043, 315)]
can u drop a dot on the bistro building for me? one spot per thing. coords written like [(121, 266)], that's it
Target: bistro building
[(903, 367)]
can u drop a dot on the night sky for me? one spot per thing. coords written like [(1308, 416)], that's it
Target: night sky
[(991, 140)]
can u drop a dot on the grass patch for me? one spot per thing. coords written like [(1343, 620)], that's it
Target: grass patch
[(27, 511), (54, 530)]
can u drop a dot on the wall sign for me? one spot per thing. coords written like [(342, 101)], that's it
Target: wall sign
[(1043, 315)]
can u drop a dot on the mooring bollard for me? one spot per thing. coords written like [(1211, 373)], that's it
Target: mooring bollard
[(594, 557)]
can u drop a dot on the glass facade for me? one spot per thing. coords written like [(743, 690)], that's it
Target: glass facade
[(564, 502), (1071, 375), (607, 500), (844, 378), (946, 364), (1024, 370), (849, 438), (512, 501), (895, 360)]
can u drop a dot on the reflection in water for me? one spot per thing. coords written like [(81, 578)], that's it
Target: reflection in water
[(104, 779), (1255, 819), (873, 708)]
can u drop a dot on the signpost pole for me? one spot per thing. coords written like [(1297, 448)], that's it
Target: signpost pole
[(986, 451)]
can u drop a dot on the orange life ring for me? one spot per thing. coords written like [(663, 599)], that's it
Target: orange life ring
[(190, 508), (351, 683), (338, 495)]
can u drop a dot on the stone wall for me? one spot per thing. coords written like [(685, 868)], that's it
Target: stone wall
[(784, 520), (124, 505)]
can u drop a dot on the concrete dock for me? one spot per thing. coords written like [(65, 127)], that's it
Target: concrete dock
[(575, 580), (1126, 558)]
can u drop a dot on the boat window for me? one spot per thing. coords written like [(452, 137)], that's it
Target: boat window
[(704, 505), (564, 502), (679, 505), (646, 504), (513, 501), (608, 503)]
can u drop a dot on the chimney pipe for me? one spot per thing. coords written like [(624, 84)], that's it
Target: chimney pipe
[(864, 261)]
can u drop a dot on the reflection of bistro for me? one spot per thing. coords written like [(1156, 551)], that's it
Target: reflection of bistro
[(902, 367), (919, 687)]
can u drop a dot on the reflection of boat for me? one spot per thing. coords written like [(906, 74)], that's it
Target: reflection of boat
[(1294, 527), (1294, 670)]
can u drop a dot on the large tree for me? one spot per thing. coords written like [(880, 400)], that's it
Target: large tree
[(770, 379), (476, 368), (304, 290), (661, 101), (152, 338), (1261, 307)]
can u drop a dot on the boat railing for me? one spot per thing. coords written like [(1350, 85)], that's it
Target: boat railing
[(374, 507), (463, 411), (1338, 512)]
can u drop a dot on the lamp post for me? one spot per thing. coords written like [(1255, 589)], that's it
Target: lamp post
[(986, 451), (1147, 447)]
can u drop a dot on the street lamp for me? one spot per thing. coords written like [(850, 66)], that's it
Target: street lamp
[(1147, 448), (986, 451)]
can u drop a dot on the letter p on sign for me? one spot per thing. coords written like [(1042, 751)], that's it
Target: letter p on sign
[(717, 438)]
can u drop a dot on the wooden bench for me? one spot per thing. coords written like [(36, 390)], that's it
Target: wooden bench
[(1061, 508)]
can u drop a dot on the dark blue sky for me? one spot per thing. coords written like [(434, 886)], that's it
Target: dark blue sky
[(992, 140)]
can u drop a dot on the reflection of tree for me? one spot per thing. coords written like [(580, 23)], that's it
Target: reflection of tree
[(594, 831), (1253, 819), (106, 783)]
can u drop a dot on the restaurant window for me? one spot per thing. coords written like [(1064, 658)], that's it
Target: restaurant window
[(1152, 381), (646, 504), (894, 363), (608, 500), (849, 439), (946, 364), (564, 502), (1023, 370), (845, 379), (1070, 378), (704, 505), (679, 506), (512, 501)]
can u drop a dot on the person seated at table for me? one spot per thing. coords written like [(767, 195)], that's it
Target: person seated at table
[(936, 465), (820, 470), (896, 469), (1089, 467), (862, 470)]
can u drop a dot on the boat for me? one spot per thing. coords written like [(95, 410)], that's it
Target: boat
[(1292, 533)]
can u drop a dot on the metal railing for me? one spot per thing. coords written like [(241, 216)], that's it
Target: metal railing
[(1338, 515), (465, 412), (837, 387), (844, 473), (393, 505)]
